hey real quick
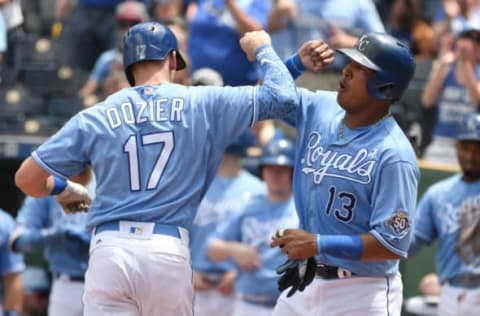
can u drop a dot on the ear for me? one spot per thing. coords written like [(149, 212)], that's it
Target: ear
[(172, 60)]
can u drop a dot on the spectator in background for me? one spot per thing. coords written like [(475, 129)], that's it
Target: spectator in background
[(453, 87), (455, 16), (214, 33), (36, 288), (179, 27), (230, 190), (404, 19), (42, 224), (88, 29), (3, 43), (164, 11), (11, 291), (244, 237), (127, 14), (11, 10), (337, 22), (425, 304), (449, 212)]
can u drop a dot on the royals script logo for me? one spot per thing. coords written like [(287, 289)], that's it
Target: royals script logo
[(323, 163)]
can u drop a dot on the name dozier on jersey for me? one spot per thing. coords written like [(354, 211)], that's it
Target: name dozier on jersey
[(160, 110)]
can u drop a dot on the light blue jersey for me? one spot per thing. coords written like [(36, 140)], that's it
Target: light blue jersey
[(353, 181), (438, 217), (9, 262), (45, 213), (224, 198), (155, 149), (254, 225)]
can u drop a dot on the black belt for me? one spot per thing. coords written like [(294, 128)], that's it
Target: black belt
[(64, 276), (327, 272), (265, 301), (465, 281)]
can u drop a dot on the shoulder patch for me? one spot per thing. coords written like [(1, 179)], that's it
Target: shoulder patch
[(399, 223)]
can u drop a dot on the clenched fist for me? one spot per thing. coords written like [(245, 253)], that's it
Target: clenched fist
[(251, 41)]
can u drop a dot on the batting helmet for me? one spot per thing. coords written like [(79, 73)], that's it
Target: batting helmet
[(469, 128), (148, 41), (389, 58), (279, 152)]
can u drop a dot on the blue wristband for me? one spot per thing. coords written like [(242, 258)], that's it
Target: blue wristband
[(295, 66), (340, 246), (59, 185)]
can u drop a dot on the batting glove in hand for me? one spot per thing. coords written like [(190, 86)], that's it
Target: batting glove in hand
[(74, 198), (297, 274)]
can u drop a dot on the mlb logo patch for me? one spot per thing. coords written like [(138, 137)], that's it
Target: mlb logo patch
[(399, 223), (136, 230)]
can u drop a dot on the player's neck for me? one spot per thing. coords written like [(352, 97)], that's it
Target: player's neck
[(230, 168), (356, 120), (278, 197), (152, 73)]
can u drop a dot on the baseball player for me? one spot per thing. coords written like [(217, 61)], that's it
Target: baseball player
[(245, 237), (231, 188), (154, 149), (355, 187), (42, 225), (11, 265), (449, 212)]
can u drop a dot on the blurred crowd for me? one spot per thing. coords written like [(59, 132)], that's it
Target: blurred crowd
[(60, 56)]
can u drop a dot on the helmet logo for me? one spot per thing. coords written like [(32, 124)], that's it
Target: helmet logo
[(363, 43), (140, 50)]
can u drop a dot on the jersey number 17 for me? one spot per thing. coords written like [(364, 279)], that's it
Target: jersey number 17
[(131, 148)]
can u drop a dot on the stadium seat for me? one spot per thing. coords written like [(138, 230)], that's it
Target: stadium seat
[(19, 100), (64, 108)]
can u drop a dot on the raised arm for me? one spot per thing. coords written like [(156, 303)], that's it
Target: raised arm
[(277, 96)]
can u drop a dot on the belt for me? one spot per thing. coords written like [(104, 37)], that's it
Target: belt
[(465, 281), (159, 229), (67, 277), (266, 301), (327, 272)]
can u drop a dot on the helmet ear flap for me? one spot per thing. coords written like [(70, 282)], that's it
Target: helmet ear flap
[(381, 88)]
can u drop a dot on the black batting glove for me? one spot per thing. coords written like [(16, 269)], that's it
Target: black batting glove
[(297, 274)]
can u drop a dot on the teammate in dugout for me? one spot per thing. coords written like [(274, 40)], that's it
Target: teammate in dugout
[(355, 187), (449, 212), (11, 266), (244, 237), (154, 149), (231, 189), (42, 225)]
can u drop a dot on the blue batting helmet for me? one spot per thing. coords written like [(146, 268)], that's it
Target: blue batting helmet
[(389, 58), (469, 128), (279, 152), (148, 41)]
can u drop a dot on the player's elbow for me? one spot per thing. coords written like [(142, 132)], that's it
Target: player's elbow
[(27, 185), (31, 179)]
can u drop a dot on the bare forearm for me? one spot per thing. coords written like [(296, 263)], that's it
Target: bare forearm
[(13, 298), (434, 83), (33, 180), (244, 22), (470, 81), (220, 250), (276, 20), (62, 9)]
